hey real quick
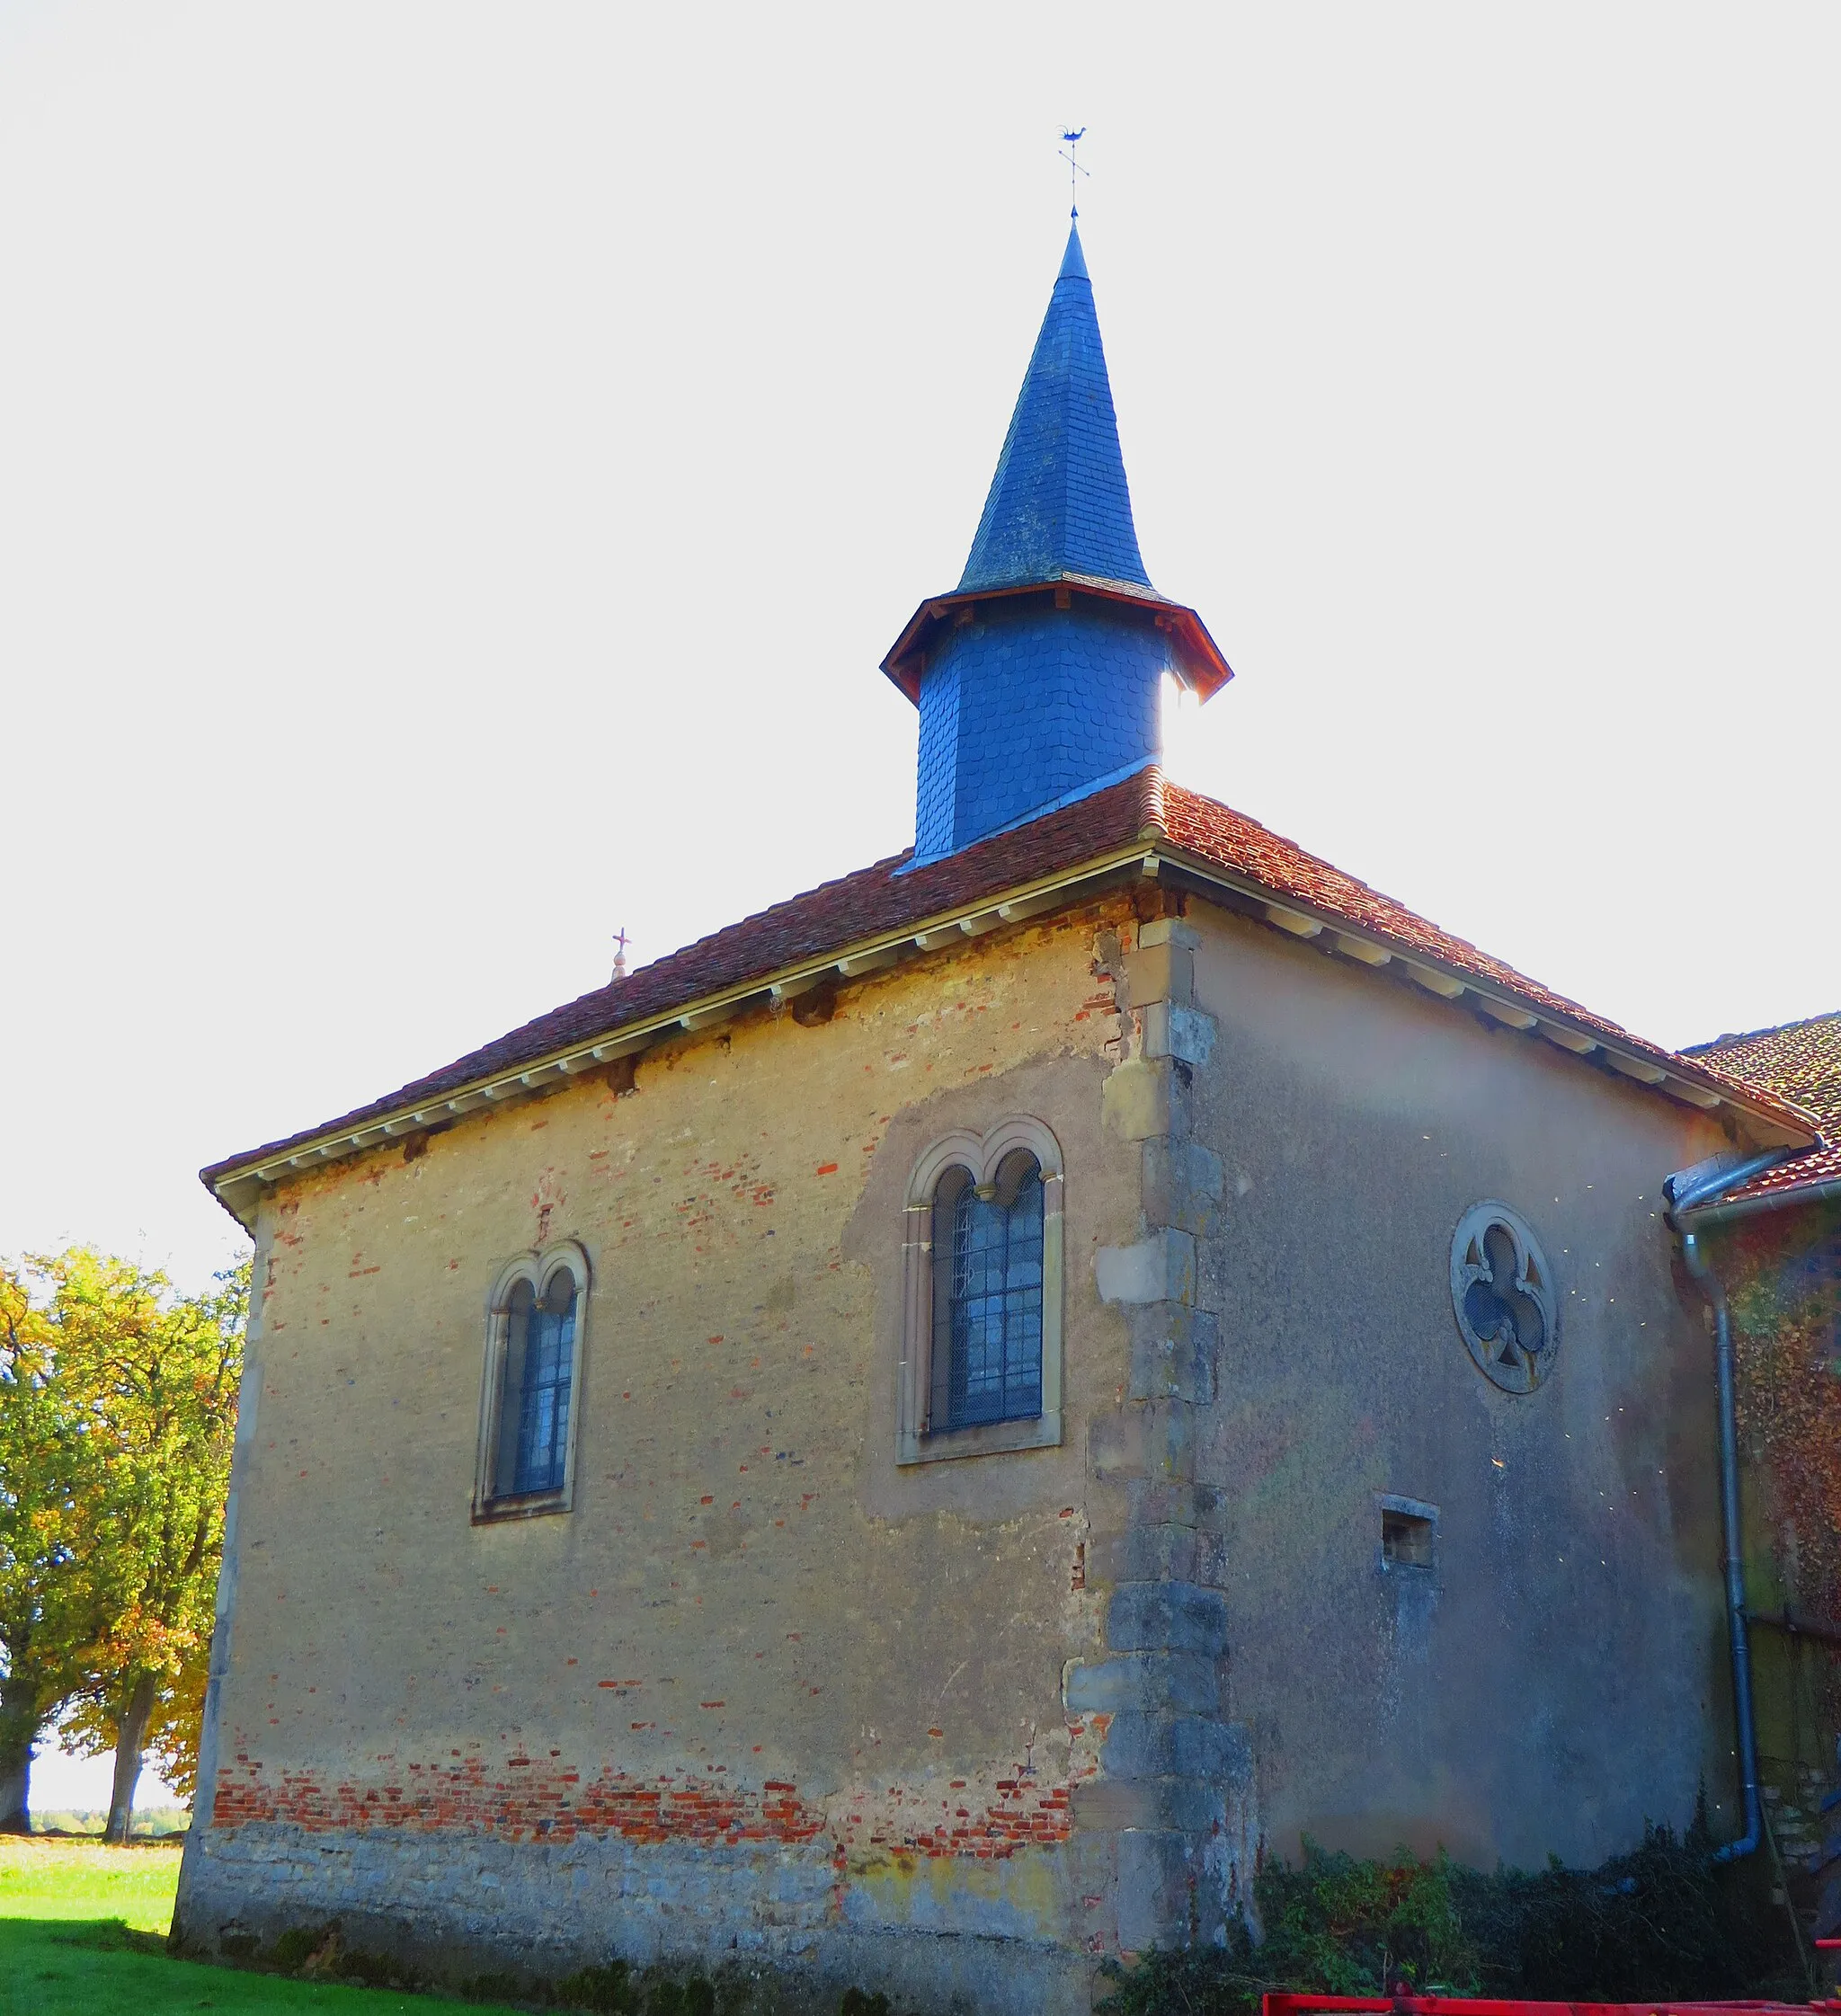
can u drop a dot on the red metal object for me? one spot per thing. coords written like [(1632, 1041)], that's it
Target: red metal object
[(1463, 2006)]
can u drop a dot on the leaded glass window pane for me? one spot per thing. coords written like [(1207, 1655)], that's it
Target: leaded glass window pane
[(539, 1365), (987, 1302)]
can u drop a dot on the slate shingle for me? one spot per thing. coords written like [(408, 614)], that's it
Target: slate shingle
[(1059, 502)]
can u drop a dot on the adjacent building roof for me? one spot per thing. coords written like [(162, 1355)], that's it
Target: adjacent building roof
[(1144, 826), (1800, 1061)]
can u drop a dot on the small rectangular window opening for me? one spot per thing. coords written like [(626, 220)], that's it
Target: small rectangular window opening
[(1406, 1538)]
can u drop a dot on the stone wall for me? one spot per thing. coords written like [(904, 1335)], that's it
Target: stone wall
[(763, 1689), (960, 1729), (798, 1925), (1558, 1675)]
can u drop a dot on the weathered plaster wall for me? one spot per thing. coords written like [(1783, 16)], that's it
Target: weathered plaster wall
[(955, 1729), (1559, 1676), (759, 1690)]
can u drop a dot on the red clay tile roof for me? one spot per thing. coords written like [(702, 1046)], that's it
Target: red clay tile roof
[(1800, 1061), (1228, 839), (882, 901)]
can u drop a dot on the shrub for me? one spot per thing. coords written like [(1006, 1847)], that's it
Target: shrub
[(490, 1987), (612, 1991), (697, 1997), (607, 1990), (1664, 1921), (1346, 1927), (374, 1970), (297, 1946)]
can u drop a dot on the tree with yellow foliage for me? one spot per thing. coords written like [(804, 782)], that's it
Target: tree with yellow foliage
[(160, 1381), (46, 1614), (115, 1435)]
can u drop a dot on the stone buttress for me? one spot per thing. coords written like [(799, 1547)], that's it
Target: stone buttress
[(1177, 1794)]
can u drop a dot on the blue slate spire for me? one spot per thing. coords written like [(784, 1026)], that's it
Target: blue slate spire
[(1039, 679), (1059, 504)]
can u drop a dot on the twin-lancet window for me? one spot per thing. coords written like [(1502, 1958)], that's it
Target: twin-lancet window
[(535, 1323), (987, 1296), (982, 1321), (981, 1366)]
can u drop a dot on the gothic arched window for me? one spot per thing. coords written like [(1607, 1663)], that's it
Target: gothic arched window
[(980, 1362), (534, 1335), (987, 1296)]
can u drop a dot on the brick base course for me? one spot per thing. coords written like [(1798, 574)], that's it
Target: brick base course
[(522, 1798)]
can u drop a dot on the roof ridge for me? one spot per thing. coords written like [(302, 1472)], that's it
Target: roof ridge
[(1352, 881), (887, 864), (1153, 817), (612, 989), (875, 904), (1732, 1038), (1399, 919)]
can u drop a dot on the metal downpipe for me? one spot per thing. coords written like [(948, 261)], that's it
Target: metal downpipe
[(1738, 1633)]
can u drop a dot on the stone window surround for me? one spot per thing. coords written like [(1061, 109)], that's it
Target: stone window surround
[(981, 1154), (537, 1265), (1517, 1370)]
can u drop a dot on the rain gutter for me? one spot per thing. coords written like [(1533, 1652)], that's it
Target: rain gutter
[(1734, 1208)]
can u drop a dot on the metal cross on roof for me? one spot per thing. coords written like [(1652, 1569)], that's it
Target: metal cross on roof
[(1074, 169), (621, 942)]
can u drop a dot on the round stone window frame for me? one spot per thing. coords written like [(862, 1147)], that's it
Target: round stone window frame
[(1514, 1370)]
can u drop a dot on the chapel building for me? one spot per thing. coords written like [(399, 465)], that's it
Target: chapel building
[(898, 1444)]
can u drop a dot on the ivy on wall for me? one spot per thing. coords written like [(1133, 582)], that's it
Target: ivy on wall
[(1660, 1922), (1783, 1274)]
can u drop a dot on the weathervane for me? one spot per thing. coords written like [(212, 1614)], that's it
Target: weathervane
[(1074, 169)]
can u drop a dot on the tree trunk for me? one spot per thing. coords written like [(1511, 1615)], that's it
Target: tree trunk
[(22, 1718), (15, 1775), (130, 1733)]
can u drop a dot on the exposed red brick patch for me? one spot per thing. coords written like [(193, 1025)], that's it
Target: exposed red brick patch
[(525, 1800), (541, 1804)]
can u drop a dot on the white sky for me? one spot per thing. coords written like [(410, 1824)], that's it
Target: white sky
[(61, 1784), (460, 467)]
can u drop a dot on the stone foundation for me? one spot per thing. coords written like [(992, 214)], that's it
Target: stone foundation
[(804, 1920)]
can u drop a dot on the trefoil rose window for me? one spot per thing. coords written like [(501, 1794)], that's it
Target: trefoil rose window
[(1502, 1295), (529, 1415)]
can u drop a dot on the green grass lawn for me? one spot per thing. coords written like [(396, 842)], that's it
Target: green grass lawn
[(82, 1932)]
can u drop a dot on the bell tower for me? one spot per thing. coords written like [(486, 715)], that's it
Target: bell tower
[(1039, 676)]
